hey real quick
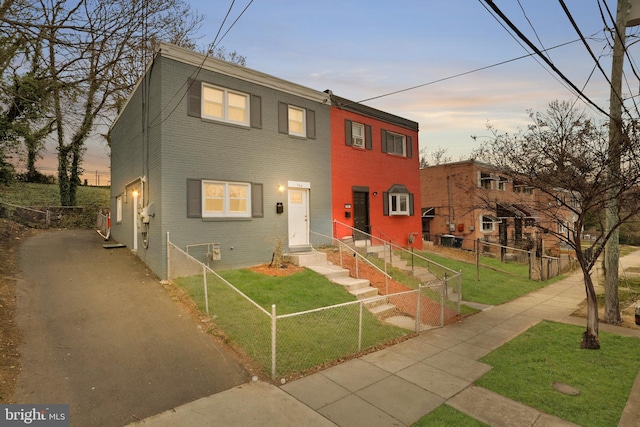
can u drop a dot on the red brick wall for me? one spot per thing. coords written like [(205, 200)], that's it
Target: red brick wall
[(378, 171)]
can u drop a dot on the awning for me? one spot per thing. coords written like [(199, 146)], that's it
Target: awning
[(428, 212), (490, 218), (527, 211)]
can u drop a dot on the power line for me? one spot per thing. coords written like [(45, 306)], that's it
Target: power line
[(463, 73), (195, 74), (555, 77), (586, 45), (539, 53), (530, 24)]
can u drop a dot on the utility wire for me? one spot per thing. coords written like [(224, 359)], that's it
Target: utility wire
[(195, 74), (539, 53), (462, 74), (530, 24), (618, 35), (586, 45), (554, 76)]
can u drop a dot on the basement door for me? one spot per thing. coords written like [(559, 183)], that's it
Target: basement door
[(298, 217)]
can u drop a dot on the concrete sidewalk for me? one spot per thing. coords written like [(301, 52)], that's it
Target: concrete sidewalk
[(400, 384)]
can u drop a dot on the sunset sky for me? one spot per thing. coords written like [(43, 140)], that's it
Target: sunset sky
[(451, 49)]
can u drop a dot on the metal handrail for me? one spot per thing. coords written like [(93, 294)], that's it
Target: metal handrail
[(393, 246), (358, 256)]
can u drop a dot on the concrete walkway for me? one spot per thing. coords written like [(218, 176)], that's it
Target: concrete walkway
[(400, 384)]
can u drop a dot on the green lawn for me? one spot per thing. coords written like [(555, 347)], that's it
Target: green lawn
[(525, 369), (494, 287), (303, 341), (298, 292)]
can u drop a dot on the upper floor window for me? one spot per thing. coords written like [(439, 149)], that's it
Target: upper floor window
[(519, 187), (226, 199), (357, 135), (395, 144), (296, 121), (485, 180), (225, 105), (502, 183)]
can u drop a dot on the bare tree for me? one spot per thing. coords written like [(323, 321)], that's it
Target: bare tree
[(438, 156), (97, 49), (564, 155)]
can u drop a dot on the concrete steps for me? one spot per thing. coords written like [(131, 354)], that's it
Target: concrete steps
[(317, 261)]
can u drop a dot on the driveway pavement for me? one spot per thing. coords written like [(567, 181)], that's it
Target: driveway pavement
[(102, 335)]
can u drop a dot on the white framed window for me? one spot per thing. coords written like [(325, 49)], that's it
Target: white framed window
[(225, 105), (519, 187), (119, 209), (502, 183), (485, 180), (297, 121), (396, 144), (226, 199), (488, 223), (357, 135), (562, 228), (398, 204)]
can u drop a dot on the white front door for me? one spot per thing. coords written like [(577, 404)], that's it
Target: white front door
[(298, 217)]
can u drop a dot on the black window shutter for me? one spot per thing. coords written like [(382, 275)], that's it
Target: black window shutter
[(348, 140), (385, 203), (384, 141), (194, 102), (257, 203), (368, 142), (311, 124), (194, 198), (256, 112), (409, 146), (283, 117), (410, 202)]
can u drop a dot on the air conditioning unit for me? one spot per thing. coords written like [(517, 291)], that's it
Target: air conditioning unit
[(357, 141)]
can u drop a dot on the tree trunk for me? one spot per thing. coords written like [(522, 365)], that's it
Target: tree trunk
[(590, 338)]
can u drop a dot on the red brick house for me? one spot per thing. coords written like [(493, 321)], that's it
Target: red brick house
[(375, 171)]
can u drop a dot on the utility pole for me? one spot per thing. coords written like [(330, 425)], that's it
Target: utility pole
[(616, 133)]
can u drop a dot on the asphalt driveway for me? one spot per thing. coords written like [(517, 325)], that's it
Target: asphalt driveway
[(102, 335)]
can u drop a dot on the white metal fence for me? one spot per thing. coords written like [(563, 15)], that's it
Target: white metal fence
[(287, 343)]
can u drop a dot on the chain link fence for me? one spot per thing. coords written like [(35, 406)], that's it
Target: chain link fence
[(286, 344)]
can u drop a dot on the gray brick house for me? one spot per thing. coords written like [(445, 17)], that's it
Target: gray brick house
[(213, 152)]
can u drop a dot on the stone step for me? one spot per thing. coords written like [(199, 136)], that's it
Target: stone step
[(364, 293), (376, 249), (383, 310), (306, 259), (424, 275), (352, 284), (330, 271)]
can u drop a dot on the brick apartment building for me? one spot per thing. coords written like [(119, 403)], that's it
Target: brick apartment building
[(464, 201)]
